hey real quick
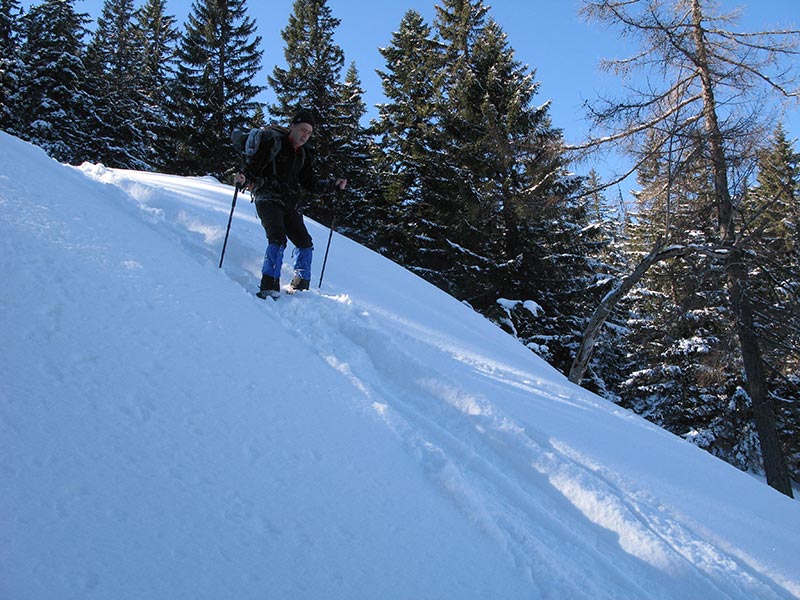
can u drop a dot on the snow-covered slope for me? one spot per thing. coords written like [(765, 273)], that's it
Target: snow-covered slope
[(167, 435)]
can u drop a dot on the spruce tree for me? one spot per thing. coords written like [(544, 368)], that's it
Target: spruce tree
[(158, 37), (114, 62), (775, 200), (773, 214), (685, 372), (407, 139), (512, 221), (355, 156), (213, 90), (53, 93), (311, 79), (464, 212), (10, 65), (474, 179), (259, 119)]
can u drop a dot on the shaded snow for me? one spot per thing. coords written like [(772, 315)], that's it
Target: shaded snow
[(168, 435)]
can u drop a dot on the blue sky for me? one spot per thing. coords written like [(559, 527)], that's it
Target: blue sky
[(548, 36)]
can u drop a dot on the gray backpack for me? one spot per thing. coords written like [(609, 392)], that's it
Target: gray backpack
[(247, 141)]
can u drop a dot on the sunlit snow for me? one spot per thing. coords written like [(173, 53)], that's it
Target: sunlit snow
[(168, 435)]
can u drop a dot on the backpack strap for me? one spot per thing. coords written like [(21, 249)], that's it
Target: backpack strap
[(273, 151), (275, 134)]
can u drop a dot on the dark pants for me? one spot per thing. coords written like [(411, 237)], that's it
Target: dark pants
[(281, 224)]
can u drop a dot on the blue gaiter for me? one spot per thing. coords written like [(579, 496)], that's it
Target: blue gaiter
[(302, 262), (273, 259)]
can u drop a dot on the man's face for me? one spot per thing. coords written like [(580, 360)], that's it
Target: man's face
[(299, 133)]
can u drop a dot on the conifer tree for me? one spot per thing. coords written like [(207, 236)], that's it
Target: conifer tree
[(114, 62), (476, 191), (407, 159), (10, 65), (685, 369), (54, 96), (218, 58), (776, 198), (511, 221), (259, 118), (311, 79), (158, 37), (773, 210), (355, 162), (464, 212)]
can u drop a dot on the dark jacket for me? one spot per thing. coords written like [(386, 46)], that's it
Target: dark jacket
[(285, 179)]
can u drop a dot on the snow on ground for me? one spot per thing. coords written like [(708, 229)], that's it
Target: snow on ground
[(167, 435)]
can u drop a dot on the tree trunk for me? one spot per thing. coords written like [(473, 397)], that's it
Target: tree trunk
[(763, 406), (763, 409), (601, 313)]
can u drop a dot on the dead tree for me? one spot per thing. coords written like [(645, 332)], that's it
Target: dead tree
[(707, 75)]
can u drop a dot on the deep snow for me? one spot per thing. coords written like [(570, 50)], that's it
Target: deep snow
[(167, 435)]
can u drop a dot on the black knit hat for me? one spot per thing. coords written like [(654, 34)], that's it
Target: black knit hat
[(303, 116)]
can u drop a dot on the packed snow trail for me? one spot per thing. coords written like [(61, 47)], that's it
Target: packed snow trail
[(510, 484), (274, 416)]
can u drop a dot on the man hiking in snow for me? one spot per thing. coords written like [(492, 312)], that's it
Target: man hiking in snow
[(278, 187)]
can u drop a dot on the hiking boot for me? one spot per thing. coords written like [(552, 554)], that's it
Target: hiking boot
[(299, 284), (264, 294), (270, 287)]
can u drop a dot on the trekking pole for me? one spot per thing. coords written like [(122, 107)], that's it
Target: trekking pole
[(228, 230), (330, 235)]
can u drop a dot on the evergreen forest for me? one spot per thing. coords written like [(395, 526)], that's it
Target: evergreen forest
[(678, 301)]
